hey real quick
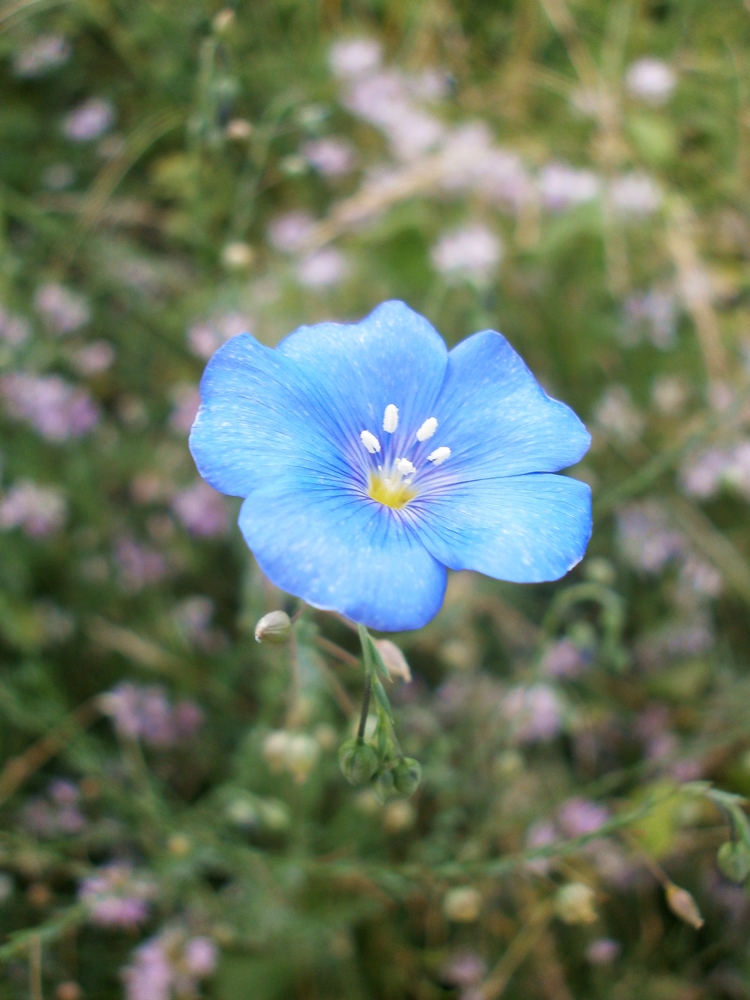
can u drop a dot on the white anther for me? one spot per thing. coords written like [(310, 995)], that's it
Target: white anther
[(427, 429), (390, 418), (439, 455), (405, 467), (370, 442)]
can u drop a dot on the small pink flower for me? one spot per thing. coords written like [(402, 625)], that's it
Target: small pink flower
[(202, 511), (116, 897), (62, 310), (53, 407), (89, 120), (39, 510)]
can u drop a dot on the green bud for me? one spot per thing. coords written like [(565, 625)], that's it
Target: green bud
[(407, 775), (383, 784), (274, 627), (358, 761), (734, 861)]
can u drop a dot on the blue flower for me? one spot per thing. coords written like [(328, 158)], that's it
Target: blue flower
[(371, 459)]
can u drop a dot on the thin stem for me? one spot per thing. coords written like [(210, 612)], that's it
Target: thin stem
[(35, 967), (365, 640), (365, 707)]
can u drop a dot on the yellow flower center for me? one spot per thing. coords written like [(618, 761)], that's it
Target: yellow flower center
[(393, 491)]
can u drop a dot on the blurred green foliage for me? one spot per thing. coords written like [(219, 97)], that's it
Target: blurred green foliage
[(572, 736)]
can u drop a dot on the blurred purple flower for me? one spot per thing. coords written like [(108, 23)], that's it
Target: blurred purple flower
[(384, 99), (53, 407), (187, 718), (14, 330), (89, 120), (657, 311), (289, 232), (200, 956), (138, 565), (330, 157), (603, 951), (39, 510), (707, 473), (149, 975), (635, 195), (578, 817), (646, 538), (326, 267), (62, 310), (94, 358), (535, 713), (40, 56), (354, 57), (145, 713), (471, 253), (564, 659), (562, 186), (201, 510), (472, 163), (540, 834), (55, 814), (651, 80), (169, 965), (116, 897), (464, 969)]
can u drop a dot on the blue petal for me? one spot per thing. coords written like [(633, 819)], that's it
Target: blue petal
[(392, 356), (525, 529), (496, 418), (341, 552), (260, 416)]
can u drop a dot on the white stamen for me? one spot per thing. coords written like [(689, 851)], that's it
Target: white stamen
[(427, 429), (390, 418), (370, 442), (439, 455), (405, 467)]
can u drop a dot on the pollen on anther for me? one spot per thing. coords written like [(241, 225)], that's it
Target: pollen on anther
[(390, 418), (405, 467), (439, 455), (427, 429), (370, 442)]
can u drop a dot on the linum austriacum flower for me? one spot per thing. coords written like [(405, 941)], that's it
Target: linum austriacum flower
[(371, 459)]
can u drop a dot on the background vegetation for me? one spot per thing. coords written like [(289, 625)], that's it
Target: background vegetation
[(174, 820)]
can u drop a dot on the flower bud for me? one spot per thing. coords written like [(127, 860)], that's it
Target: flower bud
[(223, 21), (682, 904), (383, 784), (574, 904), (463, 904), (394, 659), (237, 255), (239, 129), (274, 627), (358, 761), (734, 861), (407, 775)]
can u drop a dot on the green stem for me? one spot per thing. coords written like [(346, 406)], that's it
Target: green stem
[(364, 638), (365, 707)]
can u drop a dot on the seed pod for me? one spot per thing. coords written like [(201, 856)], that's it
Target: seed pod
[(358, 761), (407, 775), (734, 861), (682, 904), (274, 627)]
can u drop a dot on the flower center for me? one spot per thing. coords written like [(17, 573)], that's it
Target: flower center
[(393, 486), (392, 491)]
